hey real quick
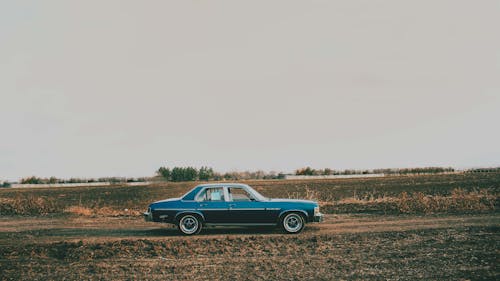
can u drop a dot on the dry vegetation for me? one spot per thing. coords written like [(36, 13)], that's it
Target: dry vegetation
[(104, 211), (28, 205), (459, 201), (397, 194)]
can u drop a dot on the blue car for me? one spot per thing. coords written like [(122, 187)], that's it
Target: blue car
[(232, 204)]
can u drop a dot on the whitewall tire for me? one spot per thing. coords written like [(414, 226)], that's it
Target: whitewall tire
[(189, 224), (293, 223)]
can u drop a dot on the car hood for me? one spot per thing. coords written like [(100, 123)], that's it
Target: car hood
[(167, 200), (292, 201)]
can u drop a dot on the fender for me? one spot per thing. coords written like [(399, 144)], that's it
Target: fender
[(293, 210), (189, 212)]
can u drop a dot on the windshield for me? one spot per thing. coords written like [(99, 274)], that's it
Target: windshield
[(256, 195)]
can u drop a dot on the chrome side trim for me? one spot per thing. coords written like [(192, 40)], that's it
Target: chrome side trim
[(247, 209), (214, 209), (176, 209), (273, 209), (238, 224)]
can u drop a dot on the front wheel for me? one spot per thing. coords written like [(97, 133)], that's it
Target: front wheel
[(189, 225), (293, 223)]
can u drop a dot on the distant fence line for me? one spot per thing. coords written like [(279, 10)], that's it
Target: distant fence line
[(20, 185)]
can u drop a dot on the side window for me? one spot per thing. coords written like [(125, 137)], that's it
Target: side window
[(239, 194), (211, 194)]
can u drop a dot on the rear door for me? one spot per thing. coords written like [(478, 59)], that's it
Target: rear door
[(212, 204)]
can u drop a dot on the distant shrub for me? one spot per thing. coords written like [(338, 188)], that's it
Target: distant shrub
[(178, 174), (165, 173), (205, 174), (184, 174), (31, 180), (307, 171)]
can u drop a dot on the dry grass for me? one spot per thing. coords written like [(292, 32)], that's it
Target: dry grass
[(417, 203), (367, 200), (79, 210), (102, 212), (109, 212), (308, 194), (28, 205), (459, 200), (389, 195)]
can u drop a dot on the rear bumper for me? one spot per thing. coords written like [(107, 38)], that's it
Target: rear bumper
[(318, 218)]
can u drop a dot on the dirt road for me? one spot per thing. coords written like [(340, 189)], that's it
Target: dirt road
[(43, 229), (344, 247)]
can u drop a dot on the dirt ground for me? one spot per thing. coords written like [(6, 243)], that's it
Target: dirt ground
[(343, 247)]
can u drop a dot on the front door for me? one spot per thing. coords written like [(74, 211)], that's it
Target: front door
[(245, 209)]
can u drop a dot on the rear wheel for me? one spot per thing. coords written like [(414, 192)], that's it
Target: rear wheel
[(293, 223), (189, 224)]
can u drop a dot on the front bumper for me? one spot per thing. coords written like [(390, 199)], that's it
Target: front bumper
[(318, 217), (148, 216)]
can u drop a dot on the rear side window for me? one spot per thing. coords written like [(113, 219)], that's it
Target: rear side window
[(211, 194)]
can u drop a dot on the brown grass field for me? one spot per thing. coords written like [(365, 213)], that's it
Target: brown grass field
[(427, 227)]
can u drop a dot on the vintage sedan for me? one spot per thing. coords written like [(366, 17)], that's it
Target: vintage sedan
[(232, 204)]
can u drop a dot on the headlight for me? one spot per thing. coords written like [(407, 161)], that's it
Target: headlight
[(316, 210)]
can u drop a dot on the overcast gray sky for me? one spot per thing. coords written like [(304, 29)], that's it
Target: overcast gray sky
[(119, 88)]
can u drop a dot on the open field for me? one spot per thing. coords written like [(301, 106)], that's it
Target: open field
[(85, 233), (339, 192), (343, 247)]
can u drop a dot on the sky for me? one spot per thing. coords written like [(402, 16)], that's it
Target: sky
[(120, 88)]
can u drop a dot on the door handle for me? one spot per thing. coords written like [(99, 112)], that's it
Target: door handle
[(231, 205), (203, 205)]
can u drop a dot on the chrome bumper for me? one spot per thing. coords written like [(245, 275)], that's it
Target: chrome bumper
[(318, 218), (148, 216)]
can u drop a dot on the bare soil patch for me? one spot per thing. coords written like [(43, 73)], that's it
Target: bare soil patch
[(345, 247)]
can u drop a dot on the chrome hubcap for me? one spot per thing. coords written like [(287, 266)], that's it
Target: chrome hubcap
[(292, 223), (189, 224)]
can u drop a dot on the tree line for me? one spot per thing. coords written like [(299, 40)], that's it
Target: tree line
[(54, 180), (308, 171), (178, 174)]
